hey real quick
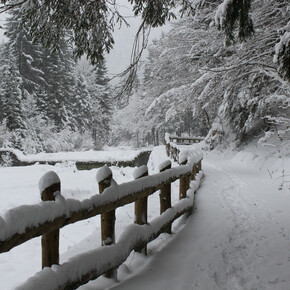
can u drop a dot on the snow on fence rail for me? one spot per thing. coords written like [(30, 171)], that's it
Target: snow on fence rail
[(23, 223)]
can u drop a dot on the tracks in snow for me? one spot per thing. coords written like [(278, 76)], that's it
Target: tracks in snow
[(256, 244)]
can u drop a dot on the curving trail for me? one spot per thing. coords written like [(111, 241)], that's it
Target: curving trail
[(237, 238)]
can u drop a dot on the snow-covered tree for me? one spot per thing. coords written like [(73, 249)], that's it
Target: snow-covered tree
[(83, 112), (93, 22), (10, 93), (98, 85), (227, 88)]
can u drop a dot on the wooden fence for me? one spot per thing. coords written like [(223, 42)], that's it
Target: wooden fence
[(185, 140), (172, 143), (56, 212)]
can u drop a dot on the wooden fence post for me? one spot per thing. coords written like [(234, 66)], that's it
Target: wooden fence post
[(49, 186), (199, 165), (165, 192), (194, 171), (183, 183), (167, 146), (104, 178), (141, 205)]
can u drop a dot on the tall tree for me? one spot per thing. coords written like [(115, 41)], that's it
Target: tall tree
[(104, 100), (11, 94)]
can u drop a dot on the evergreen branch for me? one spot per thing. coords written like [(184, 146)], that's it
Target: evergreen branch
[(238, 66), (6, 7)]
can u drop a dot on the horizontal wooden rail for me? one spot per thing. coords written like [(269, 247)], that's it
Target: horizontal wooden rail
[(96, 205), (185, 138)]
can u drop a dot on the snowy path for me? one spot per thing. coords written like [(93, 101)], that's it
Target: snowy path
[(237, 238)]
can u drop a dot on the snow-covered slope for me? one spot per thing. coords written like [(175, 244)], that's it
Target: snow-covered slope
[(237, 238)]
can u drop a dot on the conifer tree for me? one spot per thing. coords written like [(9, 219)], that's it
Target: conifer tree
[(11, 94), (104, 100), (82, 104)]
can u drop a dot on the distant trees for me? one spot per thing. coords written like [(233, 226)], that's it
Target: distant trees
[(42, 94), (233, 93)]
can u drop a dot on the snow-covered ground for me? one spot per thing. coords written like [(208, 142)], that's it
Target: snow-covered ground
[(237, 238)]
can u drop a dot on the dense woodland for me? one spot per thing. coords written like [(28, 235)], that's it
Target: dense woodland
[(49, 102), (197, 79)]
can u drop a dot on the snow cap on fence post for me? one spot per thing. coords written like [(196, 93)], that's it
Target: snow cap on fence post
[(49, 182), (104, 173)]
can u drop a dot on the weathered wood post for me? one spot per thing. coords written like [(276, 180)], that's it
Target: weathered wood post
[(183, 182), (167, 146), (104, 178), (141, 205), (49, 186), (199, 165), (165, 192), (194, 171)]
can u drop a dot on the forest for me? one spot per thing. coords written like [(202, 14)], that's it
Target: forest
[(205, 77)]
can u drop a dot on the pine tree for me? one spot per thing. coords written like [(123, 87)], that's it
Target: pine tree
[(82, 105), (11, 94), (58, 100), (104, 101), (26, 56)]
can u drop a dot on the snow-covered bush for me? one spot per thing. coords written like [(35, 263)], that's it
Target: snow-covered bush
[(282, 52), (5, 135), (68, 140)]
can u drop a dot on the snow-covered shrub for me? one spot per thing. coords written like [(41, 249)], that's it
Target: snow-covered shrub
[(6, 160), (68, 140), (5, 135), (215, 136), (282, 52)]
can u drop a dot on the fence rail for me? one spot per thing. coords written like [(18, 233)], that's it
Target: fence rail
[(55, 212), (185, 140), (172, 144)]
